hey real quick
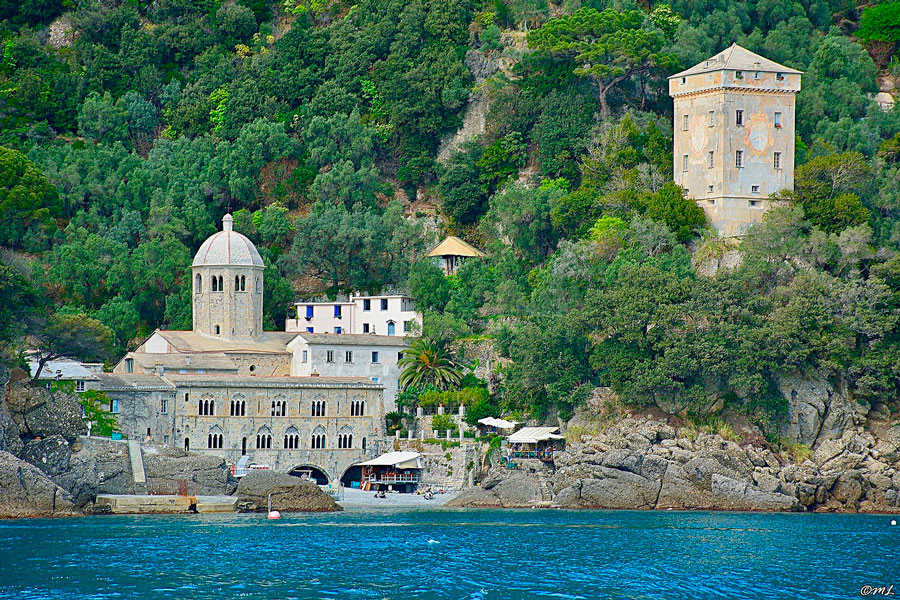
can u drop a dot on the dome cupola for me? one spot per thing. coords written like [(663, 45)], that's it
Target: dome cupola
[(227, 247)]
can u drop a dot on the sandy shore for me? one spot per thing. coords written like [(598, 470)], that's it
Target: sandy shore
[(359, 498)]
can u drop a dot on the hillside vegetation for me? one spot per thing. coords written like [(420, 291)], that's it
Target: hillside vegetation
[(128, 129)]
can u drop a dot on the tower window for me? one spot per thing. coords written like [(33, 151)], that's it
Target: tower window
[(243, 283), (739, 159), (711, 159), (712, 118), (685, 125), (215, 284), (198, 284), (754, 189), (684, 163), (778, 120), (739, 118), (710, 189), (776, 160), (237, 283), (218, 330)]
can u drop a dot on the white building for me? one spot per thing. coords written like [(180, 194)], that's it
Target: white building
[(392, 315), (350, 355), (83, 375)]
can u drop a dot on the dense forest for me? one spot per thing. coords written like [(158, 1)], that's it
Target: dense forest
[(129, 128)]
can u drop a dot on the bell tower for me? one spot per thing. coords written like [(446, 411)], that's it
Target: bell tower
[(227, 280)]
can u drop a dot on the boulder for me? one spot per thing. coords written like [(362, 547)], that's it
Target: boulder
[(206, 475), (51, 455), (289, 493), (678, 490), (739, 495), (25, 491), (96, 467), (39, 413), (9, 432), (619, 489)]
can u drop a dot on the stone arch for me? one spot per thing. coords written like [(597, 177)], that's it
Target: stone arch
[(243, 283), (215, 284), (316, 473), (198, 284), (318, 406), (351, 474)]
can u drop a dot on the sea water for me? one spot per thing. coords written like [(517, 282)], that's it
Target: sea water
[(447, 553)]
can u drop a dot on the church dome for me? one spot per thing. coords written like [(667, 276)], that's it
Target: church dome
[(227, 247)]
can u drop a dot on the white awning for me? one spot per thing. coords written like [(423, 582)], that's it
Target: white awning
[(498, 423), (533, 435), (400, 460)]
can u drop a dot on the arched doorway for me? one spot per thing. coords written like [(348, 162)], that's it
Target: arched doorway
[(187, 444), (310, 472), (352, 475), (392, 328)]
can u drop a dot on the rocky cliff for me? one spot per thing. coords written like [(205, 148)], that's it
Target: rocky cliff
[(289, 494), (645, 463)]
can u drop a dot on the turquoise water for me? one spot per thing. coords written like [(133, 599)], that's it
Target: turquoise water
[(443, 553)]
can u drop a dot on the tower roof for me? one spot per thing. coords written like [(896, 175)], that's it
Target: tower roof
[(227, 247), (736, 58)]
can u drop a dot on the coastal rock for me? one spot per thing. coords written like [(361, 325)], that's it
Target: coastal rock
[(738, 495), (206, 475), (618, 489), (41, 414), (9, 432), (96, 467), (51, 455), (25, 491), (289, 493)]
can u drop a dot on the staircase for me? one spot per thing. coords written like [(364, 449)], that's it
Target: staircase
[(137, 468)]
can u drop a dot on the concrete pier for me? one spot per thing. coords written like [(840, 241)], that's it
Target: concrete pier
[(131, 504)]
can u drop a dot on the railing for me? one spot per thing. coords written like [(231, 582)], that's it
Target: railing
[(544, 455), (392, 478), (337, 493)]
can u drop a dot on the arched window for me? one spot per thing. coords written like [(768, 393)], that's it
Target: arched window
[(264, 439), (215, 284), (221, 284), (291, 438), (357, 408), (258, 285), (345, 438), (364, 443), (218, 330), (187, 444), (318, 408), (243, 407), (198, 284), (391, 328), (237, 283), (318, 438), (243, 283)]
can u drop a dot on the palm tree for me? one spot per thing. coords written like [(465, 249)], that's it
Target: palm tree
[(426, 362)]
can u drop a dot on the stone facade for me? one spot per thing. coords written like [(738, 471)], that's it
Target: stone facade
[(734, 135)]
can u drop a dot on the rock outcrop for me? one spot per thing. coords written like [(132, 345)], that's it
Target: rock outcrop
[(289, 494), (645, 464), (205, 475), (40, 413), (25, 491)]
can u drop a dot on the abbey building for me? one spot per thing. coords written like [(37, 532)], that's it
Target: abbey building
[(280, 399), (734, 119)]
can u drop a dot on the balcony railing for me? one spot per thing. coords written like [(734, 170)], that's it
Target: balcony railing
[(392, 478)]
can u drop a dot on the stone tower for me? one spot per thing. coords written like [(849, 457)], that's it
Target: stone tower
[(228, 286), (734, 135)]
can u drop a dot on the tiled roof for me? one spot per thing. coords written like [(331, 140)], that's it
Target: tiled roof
[(354, 339), (270, 342), (736, 58), (204, 360), (132, 381), (68, 370)]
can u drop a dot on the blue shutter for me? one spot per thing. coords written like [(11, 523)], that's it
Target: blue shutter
[(309, 312)]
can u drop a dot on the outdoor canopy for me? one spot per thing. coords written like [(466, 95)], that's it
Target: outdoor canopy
[(533, 435), (498, 423), (400, 460)]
